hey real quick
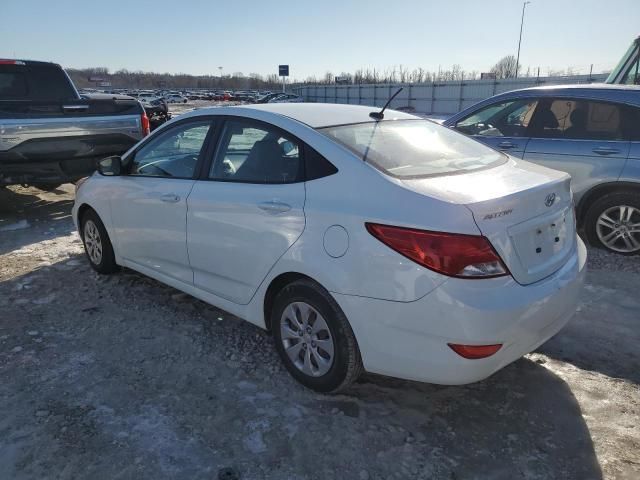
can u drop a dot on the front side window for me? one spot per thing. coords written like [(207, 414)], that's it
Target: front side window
[(506, 119), (252, 152), (577, 120), (173, 153), (414, 148)]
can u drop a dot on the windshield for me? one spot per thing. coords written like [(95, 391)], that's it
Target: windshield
[(414, 148)]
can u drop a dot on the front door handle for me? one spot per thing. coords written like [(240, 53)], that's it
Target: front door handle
[(605, 150), (274, 207), (506, 145), (170, 198)]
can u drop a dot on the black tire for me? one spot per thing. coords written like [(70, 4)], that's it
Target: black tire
[(601, 205), (347, 363), (107, 263)]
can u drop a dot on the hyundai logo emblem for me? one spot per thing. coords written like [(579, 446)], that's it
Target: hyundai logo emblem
[(550, 200)]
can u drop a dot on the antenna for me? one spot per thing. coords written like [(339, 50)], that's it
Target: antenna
[(380, 115)]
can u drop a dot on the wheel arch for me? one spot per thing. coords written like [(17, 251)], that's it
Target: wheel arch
[(275, 286), (598, 191), (84, 208)]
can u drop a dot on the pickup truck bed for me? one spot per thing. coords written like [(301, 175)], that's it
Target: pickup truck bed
[(49, 134)]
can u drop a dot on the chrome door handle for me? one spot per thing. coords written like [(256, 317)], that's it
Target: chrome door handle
[(605, 150), (170, 198), (507, 146), (75, 107), (274, 207)]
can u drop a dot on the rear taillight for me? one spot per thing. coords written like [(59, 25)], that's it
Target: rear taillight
[(475, 352), (452, 254), (146, 126), (10, 62)]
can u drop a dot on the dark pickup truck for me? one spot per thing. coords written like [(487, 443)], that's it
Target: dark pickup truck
[(49, 134)]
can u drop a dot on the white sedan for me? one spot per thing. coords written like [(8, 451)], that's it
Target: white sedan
[(175, 98), (391, 245)]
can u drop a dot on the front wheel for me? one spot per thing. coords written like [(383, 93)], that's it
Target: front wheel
[(613, 222), (97, 244), (314, 339)]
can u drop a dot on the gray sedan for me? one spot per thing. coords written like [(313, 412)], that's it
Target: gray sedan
[(591, 132)]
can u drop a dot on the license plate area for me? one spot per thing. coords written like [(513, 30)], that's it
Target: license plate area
[(544, 241)]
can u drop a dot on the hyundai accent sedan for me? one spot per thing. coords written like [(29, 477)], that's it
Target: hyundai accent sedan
[(384, 243)]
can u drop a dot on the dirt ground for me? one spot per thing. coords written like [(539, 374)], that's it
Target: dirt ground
[(122, 377)]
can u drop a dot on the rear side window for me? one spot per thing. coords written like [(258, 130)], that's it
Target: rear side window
[(414, 148), (35, 82), (577, 120), (251, 152), (316, 166)]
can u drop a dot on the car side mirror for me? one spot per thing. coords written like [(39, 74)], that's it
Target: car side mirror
[(110, 166)]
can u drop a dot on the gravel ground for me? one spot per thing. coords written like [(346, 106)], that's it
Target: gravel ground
[(123, 377)]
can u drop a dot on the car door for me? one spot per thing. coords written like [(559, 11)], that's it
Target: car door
[(149, 208), (248, 210), (501, 125), (581, 137)]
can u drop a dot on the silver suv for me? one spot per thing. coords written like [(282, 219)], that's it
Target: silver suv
[(591, 132)]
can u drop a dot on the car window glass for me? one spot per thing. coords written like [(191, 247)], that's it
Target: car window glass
[(173, 153), (506, 119), (255, 153), (414, 148), (577, 120)]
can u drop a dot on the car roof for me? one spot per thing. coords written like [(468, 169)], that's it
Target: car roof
[(596, 91), (318, 115)]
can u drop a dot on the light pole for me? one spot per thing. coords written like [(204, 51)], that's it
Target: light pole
[(524, 5)]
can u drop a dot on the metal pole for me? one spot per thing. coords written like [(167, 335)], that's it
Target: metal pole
[(524, 4)]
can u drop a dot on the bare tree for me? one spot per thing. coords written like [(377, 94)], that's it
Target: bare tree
[(505, 68)]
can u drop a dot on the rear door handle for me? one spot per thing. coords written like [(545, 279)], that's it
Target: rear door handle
[(507, 145), (274, 207), (170, 198), (605, 150)]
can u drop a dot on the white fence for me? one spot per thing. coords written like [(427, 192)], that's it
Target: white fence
[(438, 98)]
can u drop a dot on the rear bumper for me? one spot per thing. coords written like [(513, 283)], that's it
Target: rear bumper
[(409, 340)]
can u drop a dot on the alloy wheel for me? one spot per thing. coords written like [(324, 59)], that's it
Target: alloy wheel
[(618, 228), (93, 242)]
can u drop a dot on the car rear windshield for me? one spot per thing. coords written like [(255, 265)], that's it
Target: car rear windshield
[(414, 148), (34, 82)]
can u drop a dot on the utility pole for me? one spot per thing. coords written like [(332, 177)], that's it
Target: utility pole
[(524, 5)]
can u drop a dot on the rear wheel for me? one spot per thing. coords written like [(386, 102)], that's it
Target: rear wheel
[(314, 339), (613, 222), (97, 245)]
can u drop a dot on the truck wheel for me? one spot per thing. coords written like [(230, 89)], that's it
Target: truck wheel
[(97, 245), (613, 222), (314, 339)]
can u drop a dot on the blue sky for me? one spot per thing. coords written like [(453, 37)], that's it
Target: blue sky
[(316, 36)]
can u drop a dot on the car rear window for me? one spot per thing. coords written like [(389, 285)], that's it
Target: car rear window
[(35, 82), (414, 148)]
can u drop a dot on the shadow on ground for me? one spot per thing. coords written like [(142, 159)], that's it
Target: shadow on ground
[(28, 215), (121, 376)]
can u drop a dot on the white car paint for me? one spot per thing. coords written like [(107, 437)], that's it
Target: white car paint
[(403, 315), (173, 98)]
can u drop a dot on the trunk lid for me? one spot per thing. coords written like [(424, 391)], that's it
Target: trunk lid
[(525, 210)]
